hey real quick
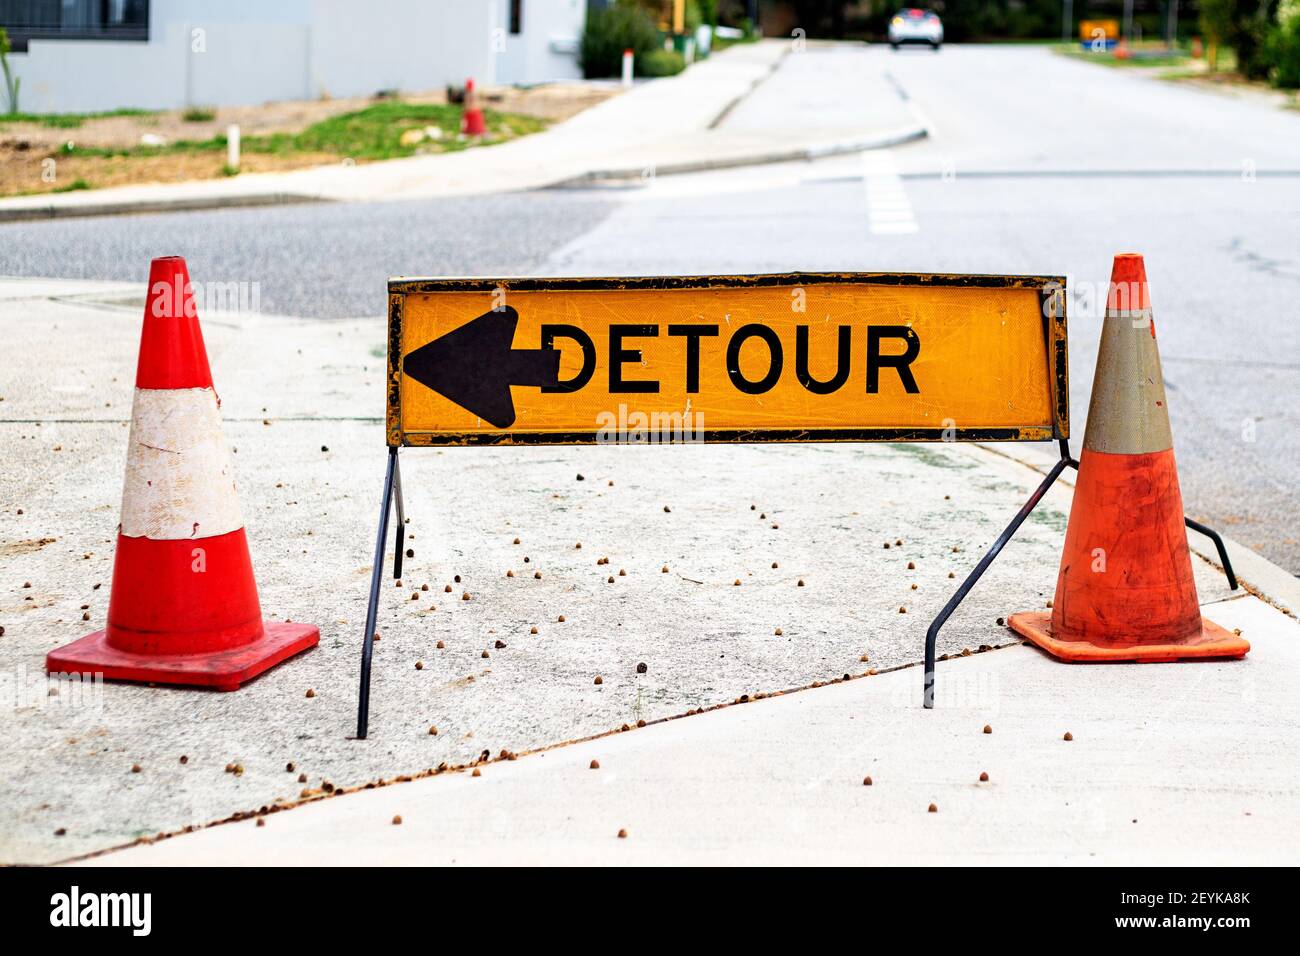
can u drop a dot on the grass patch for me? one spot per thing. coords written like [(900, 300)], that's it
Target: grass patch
[(67, 120), (376, 131), (373, 133), (75, 186), (199, 114)]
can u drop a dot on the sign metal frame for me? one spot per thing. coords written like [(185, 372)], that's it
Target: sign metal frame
[(1053, 305)]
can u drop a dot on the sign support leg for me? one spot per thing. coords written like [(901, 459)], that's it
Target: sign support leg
[(932, 634), (1218, 543), (401, 516), (391, 483)]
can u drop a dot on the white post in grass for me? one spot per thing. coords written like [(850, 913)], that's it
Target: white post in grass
[(627, 68), (232, 146)]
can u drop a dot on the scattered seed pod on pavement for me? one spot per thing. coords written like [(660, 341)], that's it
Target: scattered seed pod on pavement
[(866, 781), (641, 668), (598, 680), (800, 582), (185, 759), (622, 834), (595, 765), (499, 644), (476, 773), (533, 629), (261, 821), (288, 768), (934, 808), (135, 768), (456, 578), (302, 778), (667, 509), (310, 693), (902, 610), (560, 619), (610, 579), (419, 665), (516, 540), (433, 730), (664, 569), (1068, 736), (485, 654), (537, 575), (984, 778), (777, 632), (465, 596), (397, 820), (440, 645)]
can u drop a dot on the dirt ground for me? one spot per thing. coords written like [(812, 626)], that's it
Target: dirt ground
[(26, 148)]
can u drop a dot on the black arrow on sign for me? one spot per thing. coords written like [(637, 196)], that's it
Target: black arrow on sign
[(474, 366)]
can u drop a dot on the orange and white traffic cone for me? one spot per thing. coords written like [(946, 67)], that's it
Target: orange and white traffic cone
[(1125, 591), (471, 121), (183, 607)]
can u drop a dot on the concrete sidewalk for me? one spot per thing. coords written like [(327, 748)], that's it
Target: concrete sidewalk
[(302, 403), (1168, 765), (660, 127)]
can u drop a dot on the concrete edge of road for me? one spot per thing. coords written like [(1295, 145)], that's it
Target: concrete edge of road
[(856, 144), (1257, 574), (124, 207)]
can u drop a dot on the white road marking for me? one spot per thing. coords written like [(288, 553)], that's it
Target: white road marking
[(888, 210)]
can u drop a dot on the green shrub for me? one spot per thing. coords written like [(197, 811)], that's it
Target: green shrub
[(661, 63), (199, 114), (611, 30), (1282, 47)]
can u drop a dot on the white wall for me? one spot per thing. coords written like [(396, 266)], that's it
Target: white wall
[(243, 52), (546, 47)]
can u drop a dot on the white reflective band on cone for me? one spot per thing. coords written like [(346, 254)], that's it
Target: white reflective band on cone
[(179, 482)]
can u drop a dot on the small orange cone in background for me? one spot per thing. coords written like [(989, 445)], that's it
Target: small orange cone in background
[(183, 607), (1125, 591), (471, 121)]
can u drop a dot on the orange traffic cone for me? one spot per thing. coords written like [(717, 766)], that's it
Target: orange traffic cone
[(471, 121), (183, 607), (1125, 590)]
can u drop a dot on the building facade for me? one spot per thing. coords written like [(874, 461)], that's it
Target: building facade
[(90, 55)]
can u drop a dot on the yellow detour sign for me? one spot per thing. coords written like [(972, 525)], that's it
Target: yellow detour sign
[(798, 357), (1098, 29)]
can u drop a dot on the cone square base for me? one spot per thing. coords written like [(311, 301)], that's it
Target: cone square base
[(219, 670), (1213, 642)]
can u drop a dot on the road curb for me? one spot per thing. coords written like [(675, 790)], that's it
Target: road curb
[(800, 154), (124, 207)]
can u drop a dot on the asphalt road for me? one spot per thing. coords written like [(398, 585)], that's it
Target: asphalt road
[(1036, 163)]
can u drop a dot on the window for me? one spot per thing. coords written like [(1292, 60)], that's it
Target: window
[(74, 20), (516, 16)]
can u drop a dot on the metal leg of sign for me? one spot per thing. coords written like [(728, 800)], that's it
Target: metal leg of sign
[(372, 609), (401, 517), (1218, 543), (932, 635)]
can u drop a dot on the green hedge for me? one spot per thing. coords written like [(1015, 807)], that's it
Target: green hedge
[(621, 26)]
